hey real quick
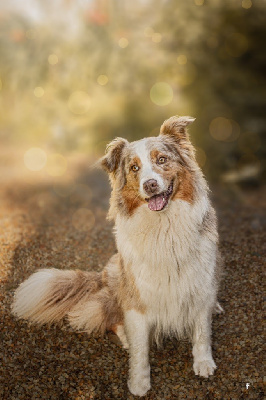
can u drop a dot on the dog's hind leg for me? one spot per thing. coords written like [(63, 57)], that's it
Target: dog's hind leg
[(119, 330)]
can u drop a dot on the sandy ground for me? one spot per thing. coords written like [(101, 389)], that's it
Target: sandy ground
[(62, 225)]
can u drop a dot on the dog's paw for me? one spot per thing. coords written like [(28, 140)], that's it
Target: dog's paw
[(139, 387), (204, 368)]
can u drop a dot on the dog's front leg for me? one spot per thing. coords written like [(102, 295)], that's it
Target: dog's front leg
[(137, 331), (203, 362)]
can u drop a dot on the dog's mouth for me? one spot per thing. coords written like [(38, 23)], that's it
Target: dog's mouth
[(159, 201)]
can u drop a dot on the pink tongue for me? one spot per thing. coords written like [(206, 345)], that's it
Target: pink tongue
[(157, 203)]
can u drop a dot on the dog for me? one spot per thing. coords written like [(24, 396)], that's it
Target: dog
[(163, 280)]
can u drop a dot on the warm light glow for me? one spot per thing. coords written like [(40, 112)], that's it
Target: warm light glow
[(156, 37), (56, 165), (220, 128), (38, 91), (199, 2), (102, 80), (35, 159), (246, 4), (53, 59), (182, 59), (79, 102), (148, 32), (123, 43), (83, 219), (161, 94)]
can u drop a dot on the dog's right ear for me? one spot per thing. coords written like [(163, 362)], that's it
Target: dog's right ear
[(111, 161)]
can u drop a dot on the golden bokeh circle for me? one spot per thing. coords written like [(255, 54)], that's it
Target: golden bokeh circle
[(79, 102), (220, 128), (35, 159), (52, 59), (161, 94), (123, 42), (38, 91), (102, 80), (182, 59)]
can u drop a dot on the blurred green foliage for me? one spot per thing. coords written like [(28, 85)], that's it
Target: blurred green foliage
[(75, 89)]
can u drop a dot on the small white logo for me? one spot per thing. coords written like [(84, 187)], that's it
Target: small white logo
[(247, 385)]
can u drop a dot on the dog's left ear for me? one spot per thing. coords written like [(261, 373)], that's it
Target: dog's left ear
[(112, 159), (175, 127)]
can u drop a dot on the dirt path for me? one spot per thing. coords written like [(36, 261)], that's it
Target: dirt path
[(63, 225)]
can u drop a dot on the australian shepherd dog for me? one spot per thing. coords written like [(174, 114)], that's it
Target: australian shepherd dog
[(163, 280)]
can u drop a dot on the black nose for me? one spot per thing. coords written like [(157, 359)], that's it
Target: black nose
[(150, 186)]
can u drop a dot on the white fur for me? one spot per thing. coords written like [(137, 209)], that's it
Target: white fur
[(146, 171), (30, 294), (173, 267)]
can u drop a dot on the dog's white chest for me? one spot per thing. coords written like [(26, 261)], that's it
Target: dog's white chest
[(162, 254)]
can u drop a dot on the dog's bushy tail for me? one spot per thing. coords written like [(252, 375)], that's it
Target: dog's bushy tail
[(85, 298)]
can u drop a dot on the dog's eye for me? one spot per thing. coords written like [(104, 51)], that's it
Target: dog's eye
[(135, 168), (162, 160)]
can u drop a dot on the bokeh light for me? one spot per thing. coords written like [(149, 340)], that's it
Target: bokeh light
[(79, 102), (38, 91), (102, 80), (182, 59), (156, 37), (148, 32), (246, 4), (199, 2), (161, 94), (52, 59), (95, 71), (35, 159), (220, 128), (56, 164), (123, 42), (83, 219)]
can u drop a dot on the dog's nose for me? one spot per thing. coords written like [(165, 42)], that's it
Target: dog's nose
[(150, 186)]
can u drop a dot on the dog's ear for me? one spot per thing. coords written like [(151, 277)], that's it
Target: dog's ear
[(112, 159), (175, 127)]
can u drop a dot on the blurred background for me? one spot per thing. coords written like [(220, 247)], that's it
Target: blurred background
[(76, 73)]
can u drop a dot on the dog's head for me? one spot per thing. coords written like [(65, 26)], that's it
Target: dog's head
[(153, 171)]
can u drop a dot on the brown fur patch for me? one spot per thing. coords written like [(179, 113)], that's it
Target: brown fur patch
[(185, 189), (128, 294), (129, 197)]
